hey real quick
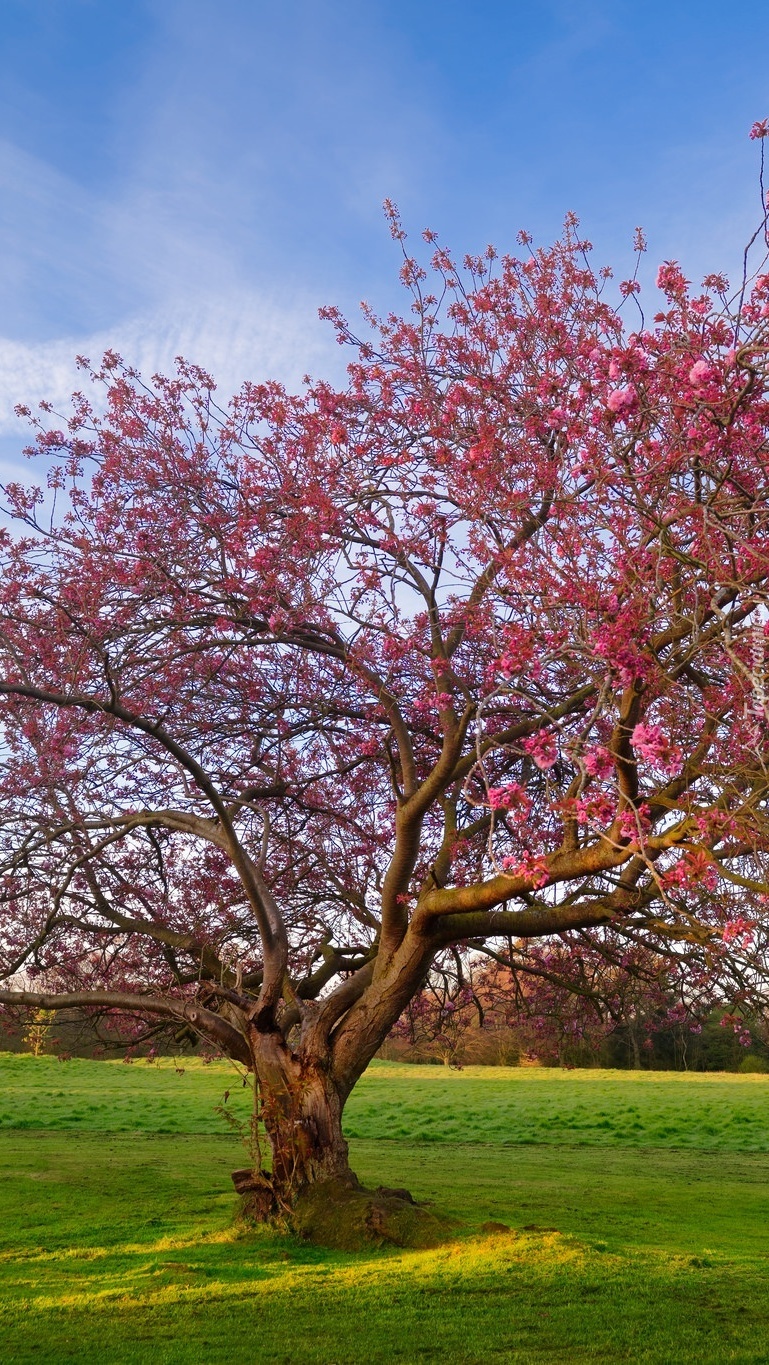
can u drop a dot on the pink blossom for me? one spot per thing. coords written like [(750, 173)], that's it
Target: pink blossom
[(675, 876), (533, 868), (634, 822), (543, 748), (596, 811), (510, 797), (557, 418), (700, 373), (738, 930), (650, 743), (700, 868), (622, 401), (671, 280), (598, 762), (713, 824), (760, 129), (739, 1027)]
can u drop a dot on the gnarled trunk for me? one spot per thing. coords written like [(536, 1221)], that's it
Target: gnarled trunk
[(299, 1108), (300, 1094), (299, 1112)]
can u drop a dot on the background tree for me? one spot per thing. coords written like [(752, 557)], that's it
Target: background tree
[(574, 1000), (571, 1000), (442, 1019), (299, 692)]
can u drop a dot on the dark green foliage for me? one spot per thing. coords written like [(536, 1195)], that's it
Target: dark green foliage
[(754, 1065)]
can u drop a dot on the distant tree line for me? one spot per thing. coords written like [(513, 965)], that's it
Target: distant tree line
[(581, 1010)]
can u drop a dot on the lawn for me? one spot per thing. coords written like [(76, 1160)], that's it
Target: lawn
[(639, 1206)]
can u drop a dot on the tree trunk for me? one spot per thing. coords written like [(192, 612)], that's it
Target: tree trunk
[(300, 1094), (636, 1051), (298, 1139)]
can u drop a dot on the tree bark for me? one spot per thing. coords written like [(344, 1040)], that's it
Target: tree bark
[(298, 1110)]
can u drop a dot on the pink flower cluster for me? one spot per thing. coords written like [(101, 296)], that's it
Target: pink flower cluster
[(529, 865), (542, 748), (598, 762), (650, 743), (595, 810), (622, 401), (633, 823), (738, 931), (701, 373), (510, 797), (675, 876), (701, 869), (671, 280), (739, 1027), (695, 868)]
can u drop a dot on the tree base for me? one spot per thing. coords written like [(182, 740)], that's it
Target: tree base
[(262, 1202), (343, 1218), (258, 1200)]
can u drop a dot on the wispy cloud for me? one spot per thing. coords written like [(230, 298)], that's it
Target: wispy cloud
[(236, 337), (133, 268), (242, 164), (249, 165)]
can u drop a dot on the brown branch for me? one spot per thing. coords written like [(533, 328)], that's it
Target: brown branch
[(537, 921), (270, 923), (217, 1029)]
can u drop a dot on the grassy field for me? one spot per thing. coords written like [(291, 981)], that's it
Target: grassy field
[(639, 1203)]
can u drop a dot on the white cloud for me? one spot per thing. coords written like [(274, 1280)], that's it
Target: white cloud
[(235, 336)]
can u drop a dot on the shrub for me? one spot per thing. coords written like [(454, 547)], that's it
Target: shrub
[(752, 1063)]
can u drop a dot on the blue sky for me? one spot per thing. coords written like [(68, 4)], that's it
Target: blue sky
[(198, 176)]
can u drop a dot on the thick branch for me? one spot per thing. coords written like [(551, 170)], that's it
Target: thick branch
[(537, 921), (217, 1029)]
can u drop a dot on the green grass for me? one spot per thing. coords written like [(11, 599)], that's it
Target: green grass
[(648, 1243), (500, 1105), (511, 1106), (166, 1097)]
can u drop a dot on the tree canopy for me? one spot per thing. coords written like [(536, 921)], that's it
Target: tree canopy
[(298, 691)]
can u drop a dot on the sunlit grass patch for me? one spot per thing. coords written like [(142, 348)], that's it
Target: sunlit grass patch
[(526, 1297)]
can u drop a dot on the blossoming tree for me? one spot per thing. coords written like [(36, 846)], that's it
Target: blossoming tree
[(298, 692)]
